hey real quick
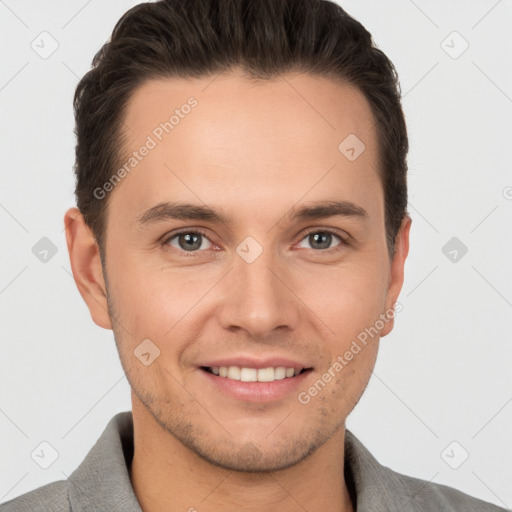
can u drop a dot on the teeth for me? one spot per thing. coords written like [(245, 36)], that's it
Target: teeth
[(279, 372), (234, 372), (253, 374), (266, 375), (249, 374)]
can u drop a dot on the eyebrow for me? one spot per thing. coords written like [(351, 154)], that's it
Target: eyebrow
[(186, 211)]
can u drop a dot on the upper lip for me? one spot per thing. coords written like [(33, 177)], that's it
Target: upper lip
[(260, 362)]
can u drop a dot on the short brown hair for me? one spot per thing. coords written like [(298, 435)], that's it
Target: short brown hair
[(197, 38)]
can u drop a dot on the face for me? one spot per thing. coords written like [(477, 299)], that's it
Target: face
[(246, 236)]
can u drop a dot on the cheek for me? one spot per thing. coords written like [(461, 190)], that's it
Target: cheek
[(146, 295), (156, 303), (347, 300)]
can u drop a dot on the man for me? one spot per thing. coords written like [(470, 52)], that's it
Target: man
[(241, 221)]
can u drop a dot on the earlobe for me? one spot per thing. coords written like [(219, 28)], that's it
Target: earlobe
[(85, 262), (396, 279)]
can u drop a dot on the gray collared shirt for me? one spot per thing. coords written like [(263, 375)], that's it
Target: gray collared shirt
[(102, 482)]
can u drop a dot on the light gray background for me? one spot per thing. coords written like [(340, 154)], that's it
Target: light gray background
[(442, 375)]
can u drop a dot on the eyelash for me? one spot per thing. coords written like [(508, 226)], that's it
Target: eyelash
[(198, 231)]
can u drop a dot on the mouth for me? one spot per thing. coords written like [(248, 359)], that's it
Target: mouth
[(246, 374)]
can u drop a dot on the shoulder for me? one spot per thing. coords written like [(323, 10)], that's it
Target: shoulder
[(380, 488), (52, 497), (422, 495)]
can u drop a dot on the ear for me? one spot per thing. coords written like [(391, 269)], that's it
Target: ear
[(396, 279), (85, 261)]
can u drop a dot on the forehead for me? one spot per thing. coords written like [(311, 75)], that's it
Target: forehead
[(226, 140)]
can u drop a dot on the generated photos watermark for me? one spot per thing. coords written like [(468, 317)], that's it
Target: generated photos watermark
[(152, 140), (304, 397)]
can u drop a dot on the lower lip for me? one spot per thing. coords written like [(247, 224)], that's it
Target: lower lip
[(256, 391)]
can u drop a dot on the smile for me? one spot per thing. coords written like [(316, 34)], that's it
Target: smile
[(244, 374)]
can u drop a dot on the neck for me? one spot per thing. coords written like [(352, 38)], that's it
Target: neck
[(166, 475)]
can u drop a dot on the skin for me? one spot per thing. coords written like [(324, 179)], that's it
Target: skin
[(255, 151)]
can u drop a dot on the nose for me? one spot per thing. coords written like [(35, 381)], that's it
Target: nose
[(258, 297)]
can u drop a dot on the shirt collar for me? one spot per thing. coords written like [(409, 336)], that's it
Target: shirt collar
[(376, 487), (102, 481)]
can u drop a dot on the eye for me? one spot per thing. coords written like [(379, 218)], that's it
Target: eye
[(188, 241), (322, 239), (194, 241)]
